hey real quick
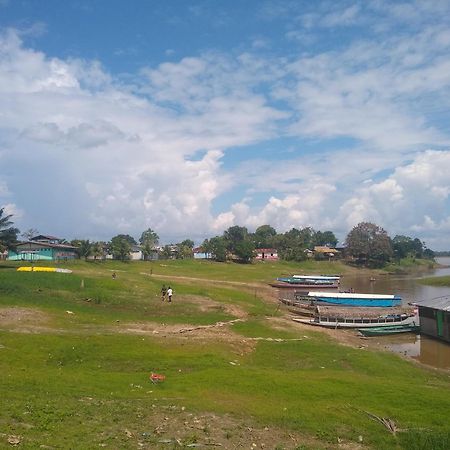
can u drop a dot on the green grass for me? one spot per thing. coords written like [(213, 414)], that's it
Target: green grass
[(436, 281), (80, 385)]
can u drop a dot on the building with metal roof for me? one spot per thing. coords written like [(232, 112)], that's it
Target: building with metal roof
[(434, 317)]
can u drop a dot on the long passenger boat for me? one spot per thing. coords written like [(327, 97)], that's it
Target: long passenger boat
[(350, 299), (307, 281), (339, 317)]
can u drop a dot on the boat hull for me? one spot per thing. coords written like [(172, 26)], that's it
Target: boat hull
[(284, 285), (359, 322), (395, 329)]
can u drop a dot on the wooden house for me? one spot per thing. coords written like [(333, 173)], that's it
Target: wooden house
[(434, 316)]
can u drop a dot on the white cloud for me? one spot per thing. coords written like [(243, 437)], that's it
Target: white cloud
[(102, 155)]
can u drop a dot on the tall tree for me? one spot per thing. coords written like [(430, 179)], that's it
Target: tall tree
[(369, 244), (234, 235), (84, 247), (8, 233), (218, 248), (263, 237), (148, 240), (184, 249), (121, 246), (245, 250), (326, 238), (98, 250)]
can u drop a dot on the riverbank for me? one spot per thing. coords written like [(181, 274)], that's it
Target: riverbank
[(77, 351)]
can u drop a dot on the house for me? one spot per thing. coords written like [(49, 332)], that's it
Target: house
[(136, 253), (266, 254), (434, 316), (42, 248), (325, 251), (200, 254)]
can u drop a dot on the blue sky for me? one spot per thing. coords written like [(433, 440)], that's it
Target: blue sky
[(192, 116)]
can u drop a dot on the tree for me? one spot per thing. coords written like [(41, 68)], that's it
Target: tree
[(244, 250), (84, 247), (8, 233), (326, 238), (264, 236), (291, 245), (234, 235), (166, 252), (98, 250), (121, 246), (30, 233), (369, 244), (184, 249), (148, 240), (218, 248)]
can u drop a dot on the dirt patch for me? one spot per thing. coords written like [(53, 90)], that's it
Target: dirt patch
[(24, 320), (173, 426), (206, 304)]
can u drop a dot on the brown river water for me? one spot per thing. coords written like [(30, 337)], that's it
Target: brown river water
[(421, 348)]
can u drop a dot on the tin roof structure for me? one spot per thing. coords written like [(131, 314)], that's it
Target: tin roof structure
[(441, 303)]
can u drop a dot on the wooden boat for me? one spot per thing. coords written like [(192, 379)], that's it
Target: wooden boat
[(286, 285), (307, 281), (351, 299), (393, 329), (351, 322), (357, 317)]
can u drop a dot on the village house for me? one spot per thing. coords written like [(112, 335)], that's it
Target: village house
[(199, 253), (266, 254), (328, 252), (42, 248)]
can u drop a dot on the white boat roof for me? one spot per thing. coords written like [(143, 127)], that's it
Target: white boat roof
[(350, 295), (316, 277)]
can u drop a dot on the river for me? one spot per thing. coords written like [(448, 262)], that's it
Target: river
[(421, 348)]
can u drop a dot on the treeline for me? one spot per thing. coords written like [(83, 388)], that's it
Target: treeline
[(366, 244), (291, 246)]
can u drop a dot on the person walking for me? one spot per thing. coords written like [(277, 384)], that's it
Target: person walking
[(169, 294), (163, 292)]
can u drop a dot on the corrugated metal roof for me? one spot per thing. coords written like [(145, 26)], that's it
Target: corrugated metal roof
[(442, 303)]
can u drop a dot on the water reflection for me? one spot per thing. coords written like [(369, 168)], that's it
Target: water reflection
[(425, 350), (406, 286), (421, 348)]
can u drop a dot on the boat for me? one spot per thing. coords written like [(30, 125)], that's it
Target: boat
[(307, 281), (350, 299), (341, 317), (303, 285), (392, 329)]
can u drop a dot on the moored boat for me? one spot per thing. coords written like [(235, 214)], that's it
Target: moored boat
[(330, 320), (307, 281), (350, 299), (392, 329)]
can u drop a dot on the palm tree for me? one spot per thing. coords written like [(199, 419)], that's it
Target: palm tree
[(8, 233)]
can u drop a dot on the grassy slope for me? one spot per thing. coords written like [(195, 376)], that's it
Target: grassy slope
[(83, 387)]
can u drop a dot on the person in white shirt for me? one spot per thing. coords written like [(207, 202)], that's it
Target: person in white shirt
[(169, 294)]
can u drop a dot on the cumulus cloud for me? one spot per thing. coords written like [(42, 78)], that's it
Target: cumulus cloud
[(324, 139)]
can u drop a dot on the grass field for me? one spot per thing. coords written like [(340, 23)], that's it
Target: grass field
[(77, 350)]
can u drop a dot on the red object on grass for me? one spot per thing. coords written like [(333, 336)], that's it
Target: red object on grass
[(157, 378)]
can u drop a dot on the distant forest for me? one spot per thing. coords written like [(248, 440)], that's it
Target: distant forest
[(444, 253)]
